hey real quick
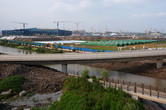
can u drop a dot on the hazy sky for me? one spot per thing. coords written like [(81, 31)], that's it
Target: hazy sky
[(115, 15)]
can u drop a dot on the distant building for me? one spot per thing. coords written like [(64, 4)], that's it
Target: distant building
[(35, 31), (0, 33), (78, 33)]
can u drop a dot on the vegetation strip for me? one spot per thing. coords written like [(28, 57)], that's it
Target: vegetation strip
[(80, 94), (30, 47), (54, 47)]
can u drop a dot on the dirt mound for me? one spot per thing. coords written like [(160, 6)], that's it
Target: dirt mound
[(39, 79)]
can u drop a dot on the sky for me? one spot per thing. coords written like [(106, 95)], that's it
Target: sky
[(92, 15)]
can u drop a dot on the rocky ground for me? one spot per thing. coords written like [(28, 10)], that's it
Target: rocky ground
[(41, 79), (38, 79), (145, 68)]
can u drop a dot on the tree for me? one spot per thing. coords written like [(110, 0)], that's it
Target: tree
[(85, 73), (104, 75), (74, 50)]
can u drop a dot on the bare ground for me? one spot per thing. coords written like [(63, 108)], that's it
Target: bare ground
[(38, 79)]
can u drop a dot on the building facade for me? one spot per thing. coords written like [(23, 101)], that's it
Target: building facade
[(35, 31)]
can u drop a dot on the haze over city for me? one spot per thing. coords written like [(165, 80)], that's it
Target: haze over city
[(115, 15)]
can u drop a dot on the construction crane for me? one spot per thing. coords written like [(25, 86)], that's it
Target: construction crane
[(23, 23), (58, 25), (77, 23), (57, 22)]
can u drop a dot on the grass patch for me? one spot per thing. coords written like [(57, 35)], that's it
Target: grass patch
[(160, 42), (13, 82), (39, 108), (4, 97), (30, 94)]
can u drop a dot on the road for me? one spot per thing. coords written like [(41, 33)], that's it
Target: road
[(70, 58)]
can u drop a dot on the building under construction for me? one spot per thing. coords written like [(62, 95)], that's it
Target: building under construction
[(35, 31)]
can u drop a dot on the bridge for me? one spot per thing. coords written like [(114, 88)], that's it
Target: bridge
[(137, 91), (79, 58)]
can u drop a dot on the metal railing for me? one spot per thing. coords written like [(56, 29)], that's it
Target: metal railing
[(134, 87)]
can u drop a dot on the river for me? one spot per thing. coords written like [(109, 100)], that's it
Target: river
[(77, 69), (15, 51)]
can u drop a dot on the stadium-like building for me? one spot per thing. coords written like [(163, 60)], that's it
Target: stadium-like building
[(35, 31)]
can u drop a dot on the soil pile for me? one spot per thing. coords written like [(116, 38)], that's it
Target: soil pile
[(39, 79)]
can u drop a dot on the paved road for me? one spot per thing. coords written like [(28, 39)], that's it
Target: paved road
[(85, 57)]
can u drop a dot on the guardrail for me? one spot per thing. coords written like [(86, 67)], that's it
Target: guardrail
[(136, 88), (140, 90)]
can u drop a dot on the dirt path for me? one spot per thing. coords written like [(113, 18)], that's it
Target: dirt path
[(38, 79), (145, 68)]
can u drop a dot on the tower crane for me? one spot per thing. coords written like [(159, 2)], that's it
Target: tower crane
[(77, 23), (57, 22), (23, 23)]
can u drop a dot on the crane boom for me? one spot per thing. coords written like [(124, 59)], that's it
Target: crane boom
[(60, 22), (23, 23)]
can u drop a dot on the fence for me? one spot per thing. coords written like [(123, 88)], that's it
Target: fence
[(140, 90), (136, 88)]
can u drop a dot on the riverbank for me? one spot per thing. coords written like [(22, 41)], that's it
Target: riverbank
[(38, 79), (32, 47), (41, 84), (144, 68)]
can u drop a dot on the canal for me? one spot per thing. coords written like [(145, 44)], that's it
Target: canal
[(78, 69)]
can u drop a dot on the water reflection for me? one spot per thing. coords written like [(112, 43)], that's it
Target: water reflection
[(78, 69), (9, 50)]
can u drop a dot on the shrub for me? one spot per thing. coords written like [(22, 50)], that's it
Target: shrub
[(74, 50), (41, 50), (13, 82), (104, 75), (85, 73), (34, 49), (4, 42), (80, 94), (20, 47)]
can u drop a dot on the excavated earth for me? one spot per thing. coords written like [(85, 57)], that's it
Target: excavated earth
[(38, 79)]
